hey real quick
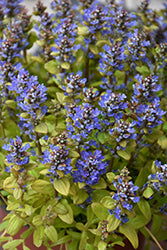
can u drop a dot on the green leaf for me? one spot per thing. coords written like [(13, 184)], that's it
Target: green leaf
[(83, 30), (157, 223), (102, 245), (144, 207), (10, 182), (123, 143), (12, 206), (130, 233), (90, 214), (142, 177), (11, 104), (108, 202), (3, 239), (143, 70), (110, 177), (38, 235), (101, 184), (12, 244), (17, 193), (41, 128), (163, 142), (37, 220), (32, 37), (52, 67), (139, 221), (60, 209), (27, 233), (89, 247), (102, 137), (100, 211), (124, 154), (83, 240), (51, 233), (43, 187), (3, 225), (148, 192), (65, 65), (80, 196), (94, 49), (113, 223), (62, 185), (15, 224), (37, 59), (62, 240), (25, 247), (67, 218), (60, 97)]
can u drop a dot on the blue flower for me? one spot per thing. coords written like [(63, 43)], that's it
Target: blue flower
[(61, 7), (125, 194), (123, 130), (145, 89), (112, 58), (59, 161), (158, 179), (83, 120), (137, 46), (95, 18), (122, 21), (149, 116), (75, 83), (11, 7), (89, 167), (112, 105), (18, 153)]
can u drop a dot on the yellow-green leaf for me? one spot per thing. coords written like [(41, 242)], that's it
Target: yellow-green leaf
[(148, 192), (130, 233), (124, 154), (17, 193), (113, 223), (41, 128), (100, 211), (62, 185), (42, 186), (108, 202), (145, 208), (15, 223), (38, 235), (52, 67), (12, 244), (51, 233)]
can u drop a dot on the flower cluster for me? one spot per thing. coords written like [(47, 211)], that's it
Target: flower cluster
[(11, 7), (75, 83), (137, 46), (89, 167), (18, 153), (159, 178), (84, 119), (125, 195), (95, 18), (112, 58), (112, 105), (60, 163)]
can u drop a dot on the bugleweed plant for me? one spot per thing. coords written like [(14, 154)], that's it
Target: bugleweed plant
[(83, 158)]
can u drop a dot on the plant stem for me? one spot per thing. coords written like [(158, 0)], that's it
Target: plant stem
[(111, 164), (87, 65), (153, 237), (38, 144), (3, 131), (3, 198)]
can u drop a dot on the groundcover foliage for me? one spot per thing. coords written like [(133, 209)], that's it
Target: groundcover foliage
[(83, 156)]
